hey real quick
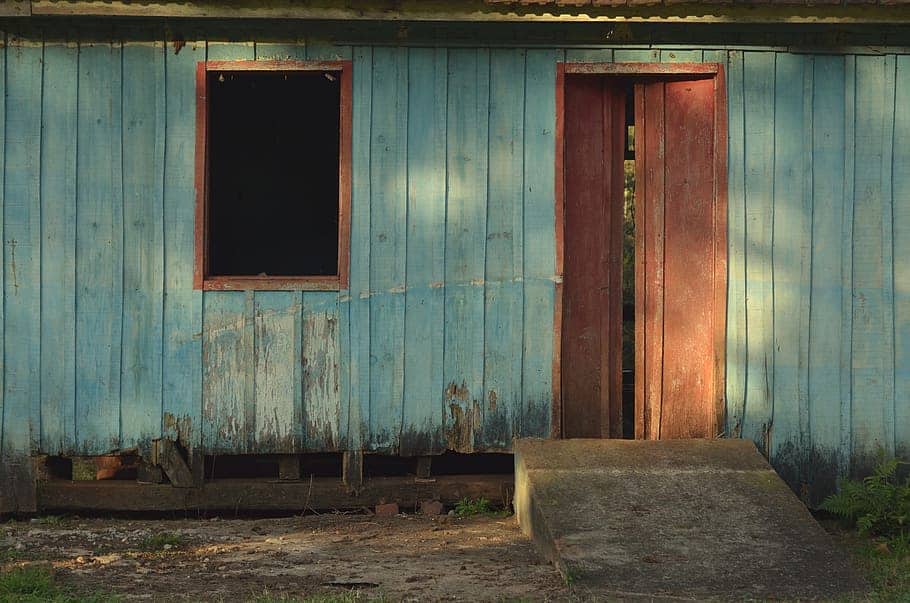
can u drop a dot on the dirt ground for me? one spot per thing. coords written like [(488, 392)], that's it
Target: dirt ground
[(408, 557)]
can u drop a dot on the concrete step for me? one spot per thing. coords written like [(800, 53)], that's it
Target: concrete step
[(691, 519)]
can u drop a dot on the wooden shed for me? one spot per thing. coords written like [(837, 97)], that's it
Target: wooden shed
[(319, 232)]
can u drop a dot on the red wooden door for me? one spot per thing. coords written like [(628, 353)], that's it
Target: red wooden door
[(592, 292), (680, 259)]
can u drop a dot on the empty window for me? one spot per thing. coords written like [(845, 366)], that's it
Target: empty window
[(273, 207)]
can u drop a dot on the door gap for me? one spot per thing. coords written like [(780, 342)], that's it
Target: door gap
[(628, 271)]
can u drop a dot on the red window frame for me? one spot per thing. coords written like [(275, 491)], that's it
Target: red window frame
[(202, 278)]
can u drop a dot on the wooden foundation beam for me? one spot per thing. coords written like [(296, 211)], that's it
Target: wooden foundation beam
[(166, 454), (268, 495), (424, 466), (289, 467), (352, 469), (17, 484)]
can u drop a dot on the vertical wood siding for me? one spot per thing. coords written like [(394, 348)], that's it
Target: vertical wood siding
[(445, 337)]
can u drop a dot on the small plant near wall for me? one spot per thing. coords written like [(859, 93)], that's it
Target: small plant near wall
[(468, 507), (879, 504)]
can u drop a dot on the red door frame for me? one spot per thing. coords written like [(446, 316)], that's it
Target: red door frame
[(714, 71)]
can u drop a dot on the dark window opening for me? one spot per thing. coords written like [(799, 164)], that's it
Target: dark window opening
[(273, 173)]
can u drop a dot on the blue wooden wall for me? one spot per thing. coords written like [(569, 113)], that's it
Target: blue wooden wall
[(445, 338)]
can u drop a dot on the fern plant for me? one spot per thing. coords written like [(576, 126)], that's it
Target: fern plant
[(879, 504)]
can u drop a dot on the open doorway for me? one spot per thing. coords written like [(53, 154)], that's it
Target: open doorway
[(642, 202)]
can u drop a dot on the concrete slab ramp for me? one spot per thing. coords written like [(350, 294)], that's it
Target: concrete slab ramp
[(691, 519)]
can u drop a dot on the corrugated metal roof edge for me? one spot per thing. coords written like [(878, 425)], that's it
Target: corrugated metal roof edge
[(653, 11)]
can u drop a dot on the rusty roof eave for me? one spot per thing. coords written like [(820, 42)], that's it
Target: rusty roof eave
[(582, 11)]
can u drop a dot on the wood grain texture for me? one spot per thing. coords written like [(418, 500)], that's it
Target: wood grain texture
[(736, 365), (539, 255), (872, 328), (99, 249), (422, 427), (182, 312), (22, 247), (846, 376), (359, 304), (58, 246), (500, 408), (5, 501), (592, 289), (758, 92), (690, 319), (467, 148), (143, 241), (792, 237), (277, 382), (320, 353), (901, 216), (388, 244), (228, 413), (827, 343)]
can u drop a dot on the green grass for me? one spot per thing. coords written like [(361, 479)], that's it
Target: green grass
[(8, 554), (886, 566), (158, 541), (35, 584), (50, 520), (467, 507)]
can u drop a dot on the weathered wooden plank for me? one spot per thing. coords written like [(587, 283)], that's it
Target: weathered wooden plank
[(270, 51), (321, 350), (343, 298), (278, 380), (589, 55), (466, 212), (621, 55), (322, 50), (228, 376), (58, 234), (539, 227), (99, 249), (6, 502), (592, 309), (504, 291), (182, 312), (886, 173), (680, 320), (22, 244), (736, 237), (143, 242), (268, 495), (791, 238), (359, 306), (681, 55), (388, 244), (758, 89), (229, 51), (424, 299), (715, 56), (165, 454), (901, 209), (846, 376), (228, 347), (825, 393), (872, 406)]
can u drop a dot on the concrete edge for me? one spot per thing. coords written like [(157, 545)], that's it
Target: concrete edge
[(531, 520)]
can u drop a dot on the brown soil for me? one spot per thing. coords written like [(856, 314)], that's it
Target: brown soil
[(408, 557)]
